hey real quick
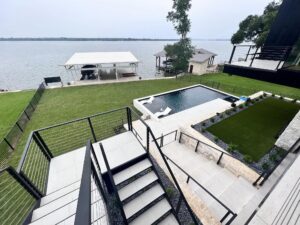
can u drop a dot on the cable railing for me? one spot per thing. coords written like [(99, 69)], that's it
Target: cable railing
[(10, 141), (17, 199), (273, 53), (189, 177), (47, 143)]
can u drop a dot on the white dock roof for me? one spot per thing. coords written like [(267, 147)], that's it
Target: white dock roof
[(94, 58)]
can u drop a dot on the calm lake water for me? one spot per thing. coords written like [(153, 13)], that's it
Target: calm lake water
[(25, 63)]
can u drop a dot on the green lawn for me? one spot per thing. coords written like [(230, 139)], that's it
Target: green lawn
[(254, 129), (63, 104), (11, 106)]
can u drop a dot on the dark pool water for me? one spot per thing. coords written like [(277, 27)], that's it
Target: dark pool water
[(185, 99)]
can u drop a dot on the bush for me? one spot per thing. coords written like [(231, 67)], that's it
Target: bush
[(232, 147), (273, 157), (216, 139), (248, 159), (241, 106), (281, 97), (265, 166), (273, 95), (212, 120), (170, 192)]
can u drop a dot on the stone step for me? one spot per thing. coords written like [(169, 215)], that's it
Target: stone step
[(59, 193), (54, 205), (153, 214), (143, 200), (57, 216), (137, 185), (169, 220), (131, 171)]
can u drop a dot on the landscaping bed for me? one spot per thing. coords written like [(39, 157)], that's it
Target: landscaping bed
[(249, 131)]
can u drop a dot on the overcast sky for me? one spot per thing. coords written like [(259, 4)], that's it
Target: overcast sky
[(120, 18)]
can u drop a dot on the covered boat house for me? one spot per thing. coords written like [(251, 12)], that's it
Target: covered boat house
[(102, 65)]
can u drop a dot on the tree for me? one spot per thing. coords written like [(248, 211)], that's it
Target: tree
[(182, 50), (256, 28)]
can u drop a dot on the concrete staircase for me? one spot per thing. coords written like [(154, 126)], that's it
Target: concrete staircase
[(235, 192), (59, 207), (143, 198)]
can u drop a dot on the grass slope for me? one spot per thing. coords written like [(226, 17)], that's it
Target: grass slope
[(11, 106), (254, 130), (63, 104)]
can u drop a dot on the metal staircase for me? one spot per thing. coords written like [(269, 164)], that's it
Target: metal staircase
[(141, 194)]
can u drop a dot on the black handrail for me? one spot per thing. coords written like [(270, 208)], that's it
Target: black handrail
[(172, 175), (83, 211), (113, 184)]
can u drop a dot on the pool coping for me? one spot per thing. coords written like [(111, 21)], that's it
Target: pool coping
[(147, 112)]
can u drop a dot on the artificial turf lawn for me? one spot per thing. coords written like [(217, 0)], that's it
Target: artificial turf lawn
[(11, 106), (254, 129)]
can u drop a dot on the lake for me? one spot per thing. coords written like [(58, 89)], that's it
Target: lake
[(24, 64)]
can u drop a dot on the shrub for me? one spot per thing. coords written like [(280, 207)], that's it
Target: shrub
[(248, 159), (170, 192), (232, 147), (273, 95), (216, 139), (281, 97), (265, 166), (273, 157), (241, 106), (247, 103), (212, 120)]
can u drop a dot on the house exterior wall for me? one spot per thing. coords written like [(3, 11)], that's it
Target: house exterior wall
[(199, 68)]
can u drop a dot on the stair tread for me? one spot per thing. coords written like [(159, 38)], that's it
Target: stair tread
[(131, 171), (169, 220), (61, 192), (153, 213), (137, 185), (56, 204), (143, 200), (57, 216)]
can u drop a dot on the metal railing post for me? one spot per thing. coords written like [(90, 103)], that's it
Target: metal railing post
[(92, 129), (129, 119), (219, 160), (148, 140), (196, 149), (248, 53), (37, 137), (232, 53), (161, 140), (8, 143), (253, 57)]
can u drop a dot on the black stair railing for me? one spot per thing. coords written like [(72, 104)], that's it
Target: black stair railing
[(112, 182), (83, 211)]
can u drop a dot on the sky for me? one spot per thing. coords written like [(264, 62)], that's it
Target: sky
[(120, 18)]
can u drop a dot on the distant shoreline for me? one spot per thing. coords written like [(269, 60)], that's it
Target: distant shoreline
[(100, 39)]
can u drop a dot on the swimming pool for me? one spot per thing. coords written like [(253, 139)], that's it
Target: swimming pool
[(185, 98)]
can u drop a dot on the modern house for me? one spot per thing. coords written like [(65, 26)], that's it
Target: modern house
[(278, 61), (199, 64)]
